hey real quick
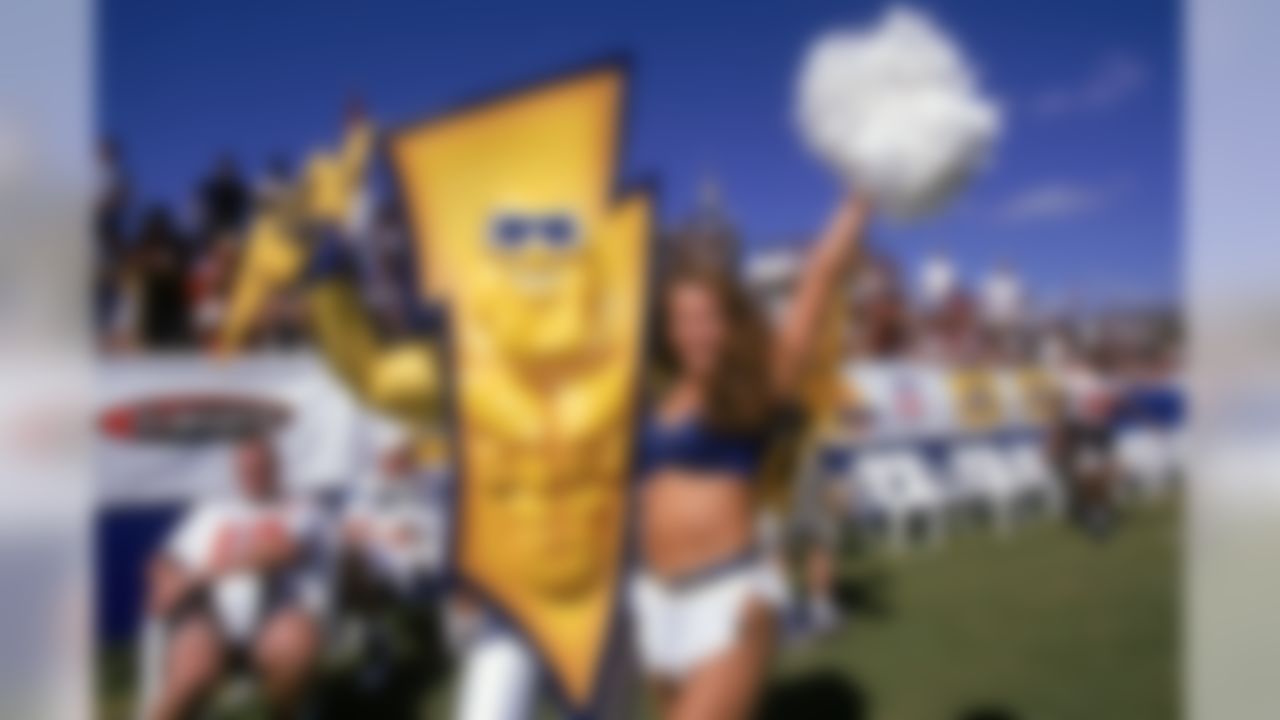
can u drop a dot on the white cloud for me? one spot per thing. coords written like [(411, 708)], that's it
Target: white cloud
[(1114, 79), (1053, 201)]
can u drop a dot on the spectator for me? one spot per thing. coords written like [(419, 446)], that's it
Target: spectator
[(388, 270), (880, 305), (224, 201), (237, 579), (394, 537), (275, 181), (937, 281), (111, 202), (283, 325), (210, 286), (954, 327), (110, 214), (1002, 299), (158, 277), (1088, 404)]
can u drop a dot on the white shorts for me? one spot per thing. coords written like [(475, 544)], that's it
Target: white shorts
[(682, 624), (240, 603)]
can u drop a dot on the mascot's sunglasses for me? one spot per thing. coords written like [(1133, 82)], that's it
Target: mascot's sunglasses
[(515, 231)]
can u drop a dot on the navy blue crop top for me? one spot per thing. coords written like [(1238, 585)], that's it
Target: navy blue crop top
[(690, 445)]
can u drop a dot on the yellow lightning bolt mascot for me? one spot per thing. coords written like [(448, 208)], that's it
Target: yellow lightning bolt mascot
[(543, 274)]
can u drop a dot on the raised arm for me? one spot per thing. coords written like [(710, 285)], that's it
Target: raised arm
[(284, 250), (820, 279)]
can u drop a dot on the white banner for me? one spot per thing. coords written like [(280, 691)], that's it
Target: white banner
[(906, 400), (910, 400), (164, 425)]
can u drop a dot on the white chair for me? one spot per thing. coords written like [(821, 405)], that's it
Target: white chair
[(1034, 475), (896, 485), (982, 478), (1147, 458)]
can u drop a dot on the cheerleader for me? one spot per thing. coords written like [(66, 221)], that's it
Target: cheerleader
[(706, 596)]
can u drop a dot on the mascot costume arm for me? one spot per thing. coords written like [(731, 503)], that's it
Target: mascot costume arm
[(295, 239)]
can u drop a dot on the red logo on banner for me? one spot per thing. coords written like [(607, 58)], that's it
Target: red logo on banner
[(192, 418)]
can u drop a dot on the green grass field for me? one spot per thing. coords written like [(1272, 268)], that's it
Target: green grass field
[(1045, 625)]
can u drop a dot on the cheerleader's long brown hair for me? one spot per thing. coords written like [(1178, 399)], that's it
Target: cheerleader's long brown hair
[(740, 398)]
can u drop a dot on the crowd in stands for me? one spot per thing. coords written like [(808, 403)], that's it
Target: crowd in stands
[(162, 276)]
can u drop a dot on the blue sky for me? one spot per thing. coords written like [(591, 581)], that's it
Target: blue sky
[(1082, 195)]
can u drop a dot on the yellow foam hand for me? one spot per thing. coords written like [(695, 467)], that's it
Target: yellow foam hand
[(277, 247), (274, 258), (333, 181), (402, 381)]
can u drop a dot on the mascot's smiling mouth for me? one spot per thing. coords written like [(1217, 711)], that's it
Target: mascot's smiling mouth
[(536, 283)]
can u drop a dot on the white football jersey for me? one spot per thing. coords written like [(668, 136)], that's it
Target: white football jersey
[(406, 527), (217, 530)]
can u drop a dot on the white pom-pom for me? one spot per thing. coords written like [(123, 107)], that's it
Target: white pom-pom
[(896, 111)]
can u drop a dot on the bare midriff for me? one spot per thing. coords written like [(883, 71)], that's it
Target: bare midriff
[(690, 520)]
